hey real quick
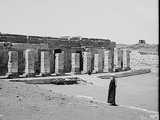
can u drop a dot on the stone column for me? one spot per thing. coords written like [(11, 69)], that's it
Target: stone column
[(86, 62), (45, 63), (98, 65), (12, 64), (59, 63), (29, 63), (126, 59), (52, 62), (107, 61), (120, 59), (117, 59), (75, 63)]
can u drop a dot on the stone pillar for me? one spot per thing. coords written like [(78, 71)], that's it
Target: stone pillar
[(86, 62), (12, 64), (115, 59), (118, 59), (29, 63), (59, 63), (98, 65), (52, 62), (126, 59), (45, 63), (107, 61), (75, 63)]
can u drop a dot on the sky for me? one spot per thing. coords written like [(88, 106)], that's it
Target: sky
[(122, 21)]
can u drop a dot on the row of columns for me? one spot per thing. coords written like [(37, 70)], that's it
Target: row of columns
[(102, 62), (121, 59)]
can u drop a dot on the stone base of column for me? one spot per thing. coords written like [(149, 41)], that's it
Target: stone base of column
[(83, 72), (28, 75), (12, 75), (44, 74), (59, 72), (105, 70), (94, 71), (86, 72), (76, 71), (126, 68), (117, 69)]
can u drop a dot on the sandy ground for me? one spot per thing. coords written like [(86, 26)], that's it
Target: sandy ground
[(19, 101), (140, 90)]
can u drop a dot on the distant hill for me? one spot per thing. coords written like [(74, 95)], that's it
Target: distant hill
[(141, 48)]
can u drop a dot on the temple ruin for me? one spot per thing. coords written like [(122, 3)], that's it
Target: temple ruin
[(27, 56)]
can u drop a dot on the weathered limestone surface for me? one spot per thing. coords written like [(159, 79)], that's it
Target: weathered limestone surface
[(107, 61), (75, 63), (59, 63), (98, 65), (45, 62), (29, 62), (67, 60), (118, 58), (86, 62), (126, 59), (12, 62), (52, 61), (115, 58)]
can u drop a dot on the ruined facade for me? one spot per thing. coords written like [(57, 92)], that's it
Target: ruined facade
[(25, 56)]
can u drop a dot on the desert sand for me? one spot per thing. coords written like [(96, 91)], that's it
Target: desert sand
[(19, 101)]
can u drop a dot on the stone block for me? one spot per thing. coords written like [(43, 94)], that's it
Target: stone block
[(126, 59), (86, 62), (45, 63), (107, 61), (75, 63), (29, 63), (12, 63), (98, 65), (59, 63), (118, 58)]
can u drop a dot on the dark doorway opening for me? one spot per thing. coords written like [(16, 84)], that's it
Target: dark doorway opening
[(57, 51)]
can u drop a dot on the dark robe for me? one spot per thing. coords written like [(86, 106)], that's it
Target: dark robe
[(112, 92)]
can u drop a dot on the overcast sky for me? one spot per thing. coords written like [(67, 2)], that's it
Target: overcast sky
[(122, 21)]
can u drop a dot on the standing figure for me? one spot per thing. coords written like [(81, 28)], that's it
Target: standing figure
[(112, 92)]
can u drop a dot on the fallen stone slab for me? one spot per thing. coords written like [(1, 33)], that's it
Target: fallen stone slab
[(126, 73)]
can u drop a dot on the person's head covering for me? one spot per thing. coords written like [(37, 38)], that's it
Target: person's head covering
[(112, 76)]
